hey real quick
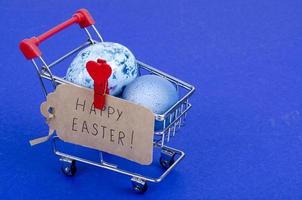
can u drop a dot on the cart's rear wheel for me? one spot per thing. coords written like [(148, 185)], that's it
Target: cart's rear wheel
[(139, 186), (167, 158), (166, 163), (68, 167)]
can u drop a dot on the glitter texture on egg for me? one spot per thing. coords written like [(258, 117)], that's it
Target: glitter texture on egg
[(152, 92), (120, 59)]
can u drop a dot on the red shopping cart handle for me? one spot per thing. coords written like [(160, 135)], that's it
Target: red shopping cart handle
[(29, 47)]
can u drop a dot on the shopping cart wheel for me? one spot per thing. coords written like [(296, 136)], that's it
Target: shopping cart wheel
[(68, 166), (139, 186), (166, 158)]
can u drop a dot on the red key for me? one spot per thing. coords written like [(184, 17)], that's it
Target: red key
[(100, 72)]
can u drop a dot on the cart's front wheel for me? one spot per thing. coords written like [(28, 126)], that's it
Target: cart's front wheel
[(139, 186), (68, 167), (167, 158)]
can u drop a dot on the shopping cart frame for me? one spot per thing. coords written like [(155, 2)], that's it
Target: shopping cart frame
[(171, 120)]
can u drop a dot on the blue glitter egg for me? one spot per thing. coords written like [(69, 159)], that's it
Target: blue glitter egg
[(152, 92), (120, 59)]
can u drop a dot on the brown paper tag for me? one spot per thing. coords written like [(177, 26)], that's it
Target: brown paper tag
[(120, 128)]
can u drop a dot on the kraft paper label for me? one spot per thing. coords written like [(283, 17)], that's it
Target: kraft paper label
[(120, 128)]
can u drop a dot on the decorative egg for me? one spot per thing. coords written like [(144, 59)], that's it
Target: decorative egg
[(152, 92), (120, 59)]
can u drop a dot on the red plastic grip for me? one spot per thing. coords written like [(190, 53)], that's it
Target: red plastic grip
[(29, 47)]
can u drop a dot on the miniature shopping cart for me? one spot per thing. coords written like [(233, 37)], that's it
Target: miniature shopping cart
[(172, 119)]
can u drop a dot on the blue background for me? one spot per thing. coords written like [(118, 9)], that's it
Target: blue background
[(243, 137)]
